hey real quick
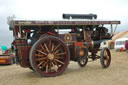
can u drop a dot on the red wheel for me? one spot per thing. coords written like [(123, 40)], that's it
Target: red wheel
[(105, 57), (49, 56)]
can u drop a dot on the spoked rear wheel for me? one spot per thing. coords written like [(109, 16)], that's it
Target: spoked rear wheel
[(105, 57), (49, 56)]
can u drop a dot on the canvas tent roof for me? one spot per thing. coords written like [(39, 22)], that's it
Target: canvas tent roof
[(4, 48), (119, 35)]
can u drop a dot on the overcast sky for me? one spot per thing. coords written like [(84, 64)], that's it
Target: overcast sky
[(53, 9)]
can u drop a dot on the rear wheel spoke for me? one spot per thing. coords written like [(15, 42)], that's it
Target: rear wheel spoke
[(39, 55), (56, 63), (41, 59), (54, 67), (40, 63), (42, 52), (50, 67), (47, 68), (52, 47), (43, 65), (56, 51), (60, 53), (42, 47), (50, 44), (46, 47), (59, 61), (58, 57), (57, 47)]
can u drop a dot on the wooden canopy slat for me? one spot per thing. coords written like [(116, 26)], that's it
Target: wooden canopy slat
[(65, 22)]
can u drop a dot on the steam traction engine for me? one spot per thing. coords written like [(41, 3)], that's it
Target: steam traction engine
[(47, 46)]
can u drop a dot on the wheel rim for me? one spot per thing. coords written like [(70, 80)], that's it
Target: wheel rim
[(50, 57)]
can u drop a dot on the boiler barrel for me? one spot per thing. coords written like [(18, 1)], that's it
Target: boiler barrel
[(79, 16), (95, 44)]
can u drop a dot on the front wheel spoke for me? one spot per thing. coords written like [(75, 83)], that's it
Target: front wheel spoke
[(105, 53), (46, 47), (107, 57), (41, 52), (60, 54), (59, 61), (106, 61)]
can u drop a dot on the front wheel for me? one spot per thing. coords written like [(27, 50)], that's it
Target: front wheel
[(49, 56), (105, 57)]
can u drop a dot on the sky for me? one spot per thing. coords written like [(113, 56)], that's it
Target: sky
[(53, 9)]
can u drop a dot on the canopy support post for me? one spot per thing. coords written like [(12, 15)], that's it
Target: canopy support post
[(111, 29), (115, 28)]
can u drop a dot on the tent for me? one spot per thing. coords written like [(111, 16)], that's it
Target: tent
[(0, 51), (4, 48), (116, 36)]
